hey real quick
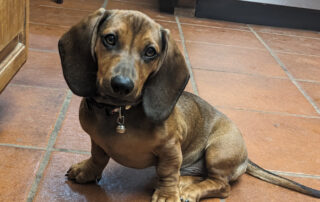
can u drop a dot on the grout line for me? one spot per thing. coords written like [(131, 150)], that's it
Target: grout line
[(44, 149), (226, 45), (215, 27), (71, 151), (290, 35), (192, 80), (269, 112), (295, 174), (308, 81), (296, 53), (53, 136), (201, 68), (73, 9), (167, 21), (291, 77), (22, 146), (52, 25), (43, 50), (136, 3), (105, 3), (243, 29), (36, 86)]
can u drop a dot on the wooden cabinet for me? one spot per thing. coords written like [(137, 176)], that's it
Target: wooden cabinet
[(14, 15)]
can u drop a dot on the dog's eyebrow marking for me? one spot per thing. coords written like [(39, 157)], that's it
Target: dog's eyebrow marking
[(136, 24)]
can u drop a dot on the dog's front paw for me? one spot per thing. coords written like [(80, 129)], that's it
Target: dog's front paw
[(84, 172), (167, 194)]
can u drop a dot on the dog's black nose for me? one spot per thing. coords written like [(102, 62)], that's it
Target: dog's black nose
[(121, 85)]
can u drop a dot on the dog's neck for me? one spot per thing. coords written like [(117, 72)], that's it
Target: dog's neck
[(109, 109), (92, 103)]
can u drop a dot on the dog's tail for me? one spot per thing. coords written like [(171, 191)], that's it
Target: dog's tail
[(258, 172)]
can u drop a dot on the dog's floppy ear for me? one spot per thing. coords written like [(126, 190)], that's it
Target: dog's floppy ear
[(76, 48), (162, 90)]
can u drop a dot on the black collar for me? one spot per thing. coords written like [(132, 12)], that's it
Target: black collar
[(110, 109)]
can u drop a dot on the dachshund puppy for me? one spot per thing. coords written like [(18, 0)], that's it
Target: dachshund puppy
[(131, 76)]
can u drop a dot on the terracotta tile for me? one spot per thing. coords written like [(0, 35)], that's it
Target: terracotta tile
[(285, 31), (28, 114), (149, 3), (45, 37), (45, 66), (233, 59), (302, 67), (251, 92), (280, 142), (148, 10), (71, 135), (220, 36), (172, 26), (129, 5), (250, 189), (17, 172), (301, 45), (118, 183), (56, 16), (212, 23), (313, 90), (73, 4)]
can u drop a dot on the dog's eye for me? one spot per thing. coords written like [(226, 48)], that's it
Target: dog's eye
[(150, 52), (110, 39)]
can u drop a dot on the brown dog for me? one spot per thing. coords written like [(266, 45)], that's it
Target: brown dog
[(121, 59)]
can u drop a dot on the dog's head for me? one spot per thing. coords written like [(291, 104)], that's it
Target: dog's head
[(122, 58)]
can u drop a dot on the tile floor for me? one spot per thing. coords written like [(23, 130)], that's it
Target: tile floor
[(265, 79)]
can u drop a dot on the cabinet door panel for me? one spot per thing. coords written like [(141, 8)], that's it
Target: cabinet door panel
[(12, 20), (14, 16)]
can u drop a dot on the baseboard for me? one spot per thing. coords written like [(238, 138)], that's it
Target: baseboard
[(259, 13)]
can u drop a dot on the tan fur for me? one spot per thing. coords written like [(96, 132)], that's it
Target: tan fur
[(195, 140)]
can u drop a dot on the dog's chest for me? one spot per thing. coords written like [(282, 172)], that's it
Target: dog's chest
[(127, 149), (134, 148)]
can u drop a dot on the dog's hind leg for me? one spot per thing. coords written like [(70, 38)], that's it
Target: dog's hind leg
[(225, 160), (188, 180)]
